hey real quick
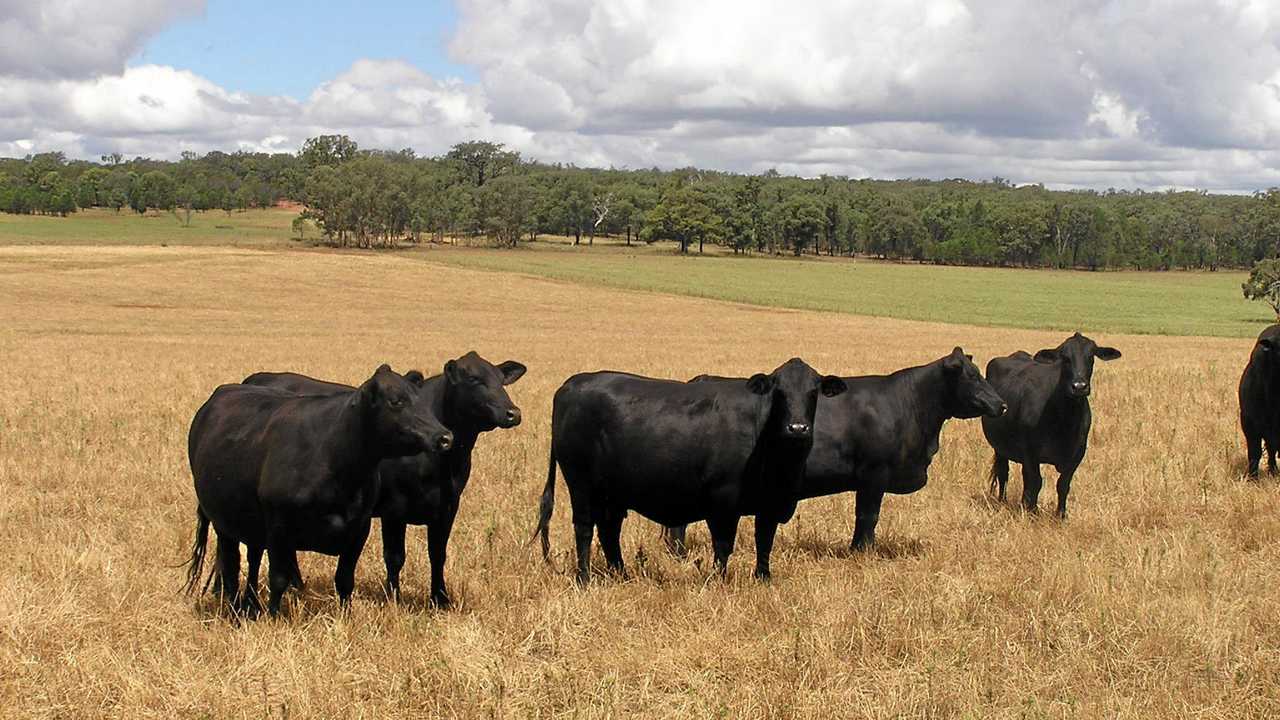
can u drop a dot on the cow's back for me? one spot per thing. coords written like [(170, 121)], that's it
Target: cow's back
[(228, 444), (1026, 386), (296, 383), (655, 446)]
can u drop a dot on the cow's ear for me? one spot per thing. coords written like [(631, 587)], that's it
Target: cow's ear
[(760, 384), (953, 362), (415, 377), (451, 371), (1106, 353), (832, 386), (511, 371), (1047, 355)]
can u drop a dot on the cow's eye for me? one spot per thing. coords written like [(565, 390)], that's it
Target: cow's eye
[(397, 403)]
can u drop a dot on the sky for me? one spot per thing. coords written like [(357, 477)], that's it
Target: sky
[(1149, 94)]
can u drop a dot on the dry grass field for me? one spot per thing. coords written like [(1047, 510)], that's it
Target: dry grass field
[(1158, 598)]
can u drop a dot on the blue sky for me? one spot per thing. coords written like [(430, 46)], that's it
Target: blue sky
[(288, 47)]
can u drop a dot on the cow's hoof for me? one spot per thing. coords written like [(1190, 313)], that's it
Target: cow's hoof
[(763, 574), (441, 601)]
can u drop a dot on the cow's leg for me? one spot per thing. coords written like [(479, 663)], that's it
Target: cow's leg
[(437, 550), (295, 573), (582, 541), (249, 604), (344, 578), (1253, 447), (866, 517), (609, 531), (392, 555), (999, 475), (724, 531), (282, 565), (766, 529), (1031, 482), (1271, 457), (583, 523), (1064, 488), (228, 570), (674, 538)]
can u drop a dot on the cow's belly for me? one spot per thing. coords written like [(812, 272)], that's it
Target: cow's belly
[(328, 533)]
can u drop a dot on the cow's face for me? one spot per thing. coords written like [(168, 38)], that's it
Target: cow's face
[(1076, 354), (476, 390), (971, 394), (793, 392), (401, 421), (1268, 350)]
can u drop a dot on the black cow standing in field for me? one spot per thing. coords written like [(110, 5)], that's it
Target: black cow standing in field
[(1049, 417), (881, 434), (1260, 400), (286, 472), (425, 489), (680, 452)]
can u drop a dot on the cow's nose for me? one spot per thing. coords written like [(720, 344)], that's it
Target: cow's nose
[(444, 442), (798, 428), (513, 416), (1079, 385)]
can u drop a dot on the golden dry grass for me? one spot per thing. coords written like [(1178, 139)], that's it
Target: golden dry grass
[(1157, 599)]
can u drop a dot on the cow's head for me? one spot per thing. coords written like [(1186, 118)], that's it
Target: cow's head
[(475, 390), (1267, 350), (1076, 355), (970, 393), (402, 423), (793, 391)]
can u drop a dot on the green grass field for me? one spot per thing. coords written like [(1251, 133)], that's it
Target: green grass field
[(1172, 303)]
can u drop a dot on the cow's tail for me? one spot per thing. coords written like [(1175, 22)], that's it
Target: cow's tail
[(199, 547), (993, 477), (547, 505)]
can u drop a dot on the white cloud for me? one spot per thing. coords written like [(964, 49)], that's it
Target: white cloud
[(1081, 93), (56, 39)]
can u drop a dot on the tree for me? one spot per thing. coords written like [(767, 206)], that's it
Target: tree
[(478, 161), (299, 227), (1264, 283), (327, 150), (156, 190), (802, 219), (511, 203)]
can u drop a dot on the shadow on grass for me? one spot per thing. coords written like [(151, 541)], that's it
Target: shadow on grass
[(886, 547)]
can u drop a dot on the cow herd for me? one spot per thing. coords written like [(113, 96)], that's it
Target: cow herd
[(284, 463)]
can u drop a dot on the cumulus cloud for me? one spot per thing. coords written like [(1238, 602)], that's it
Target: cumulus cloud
[(1083, 93), (58, 39)]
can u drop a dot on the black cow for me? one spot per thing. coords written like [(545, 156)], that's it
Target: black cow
[(1260, 400), (424, 489), (881, 435), (286, 472), (1049, 416), (677, 452)]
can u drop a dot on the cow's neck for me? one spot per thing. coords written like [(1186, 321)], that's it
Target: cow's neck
[(358, 456), (447, 408), (930, 398), (452, 412)]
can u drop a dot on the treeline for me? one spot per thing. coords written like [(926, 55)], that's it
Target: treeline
[(482, 190)]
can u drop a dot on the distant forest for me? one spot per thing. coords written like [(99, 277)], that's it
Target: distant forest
[(482, 190)]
